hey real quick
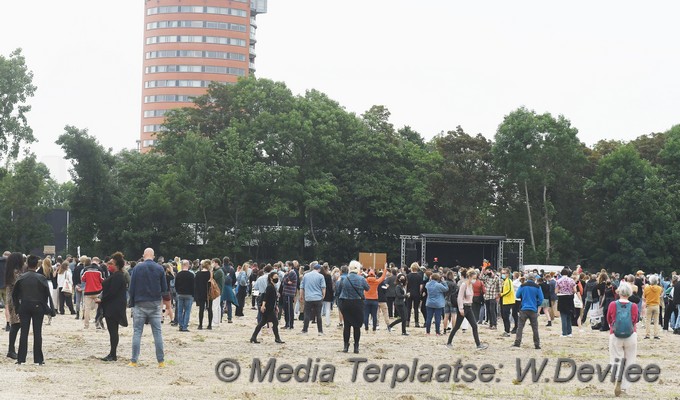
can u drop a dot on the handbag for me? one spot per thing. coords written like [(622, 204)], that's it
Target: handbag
[(68, 284), (213, 288), (577, 301)]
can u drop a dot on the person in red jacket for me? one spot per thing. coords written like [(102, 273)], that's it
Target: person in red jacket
[(92, 278), (372, 298)]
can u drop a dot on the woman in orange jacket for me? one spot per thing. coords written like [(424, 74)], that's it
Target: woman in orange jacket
[(371, 301)]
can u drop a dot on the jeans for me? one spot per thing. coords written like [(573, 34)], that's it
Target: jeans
[(184, 304), (371, 308), (566, 323), (677, 318), (437, 313), (533, 320), (35, 313), (142, 313), (229, 309), (79, 300), (289, 310), (313, 309), (492, 312)]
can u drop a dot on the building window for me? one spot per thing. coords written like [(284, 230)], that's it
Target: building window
[(168, 98), (176, 83), (196, 24), (154, 113), (196, 39), (153, 128), (208, 69), (195, 54), (197, 10), (149, 143)]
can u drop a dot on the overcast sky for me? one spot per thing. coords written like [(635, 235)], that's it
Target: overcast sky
[(611, 67)]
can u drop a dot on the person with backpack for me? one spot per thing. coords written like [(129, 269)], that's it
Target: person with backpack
[(622, 316)]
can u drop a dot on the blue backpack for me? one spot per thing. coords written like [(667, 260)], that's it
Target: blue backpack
[(623, 325)]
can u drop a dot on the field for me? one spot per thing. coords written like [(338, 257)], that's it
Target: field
[(73, 369)]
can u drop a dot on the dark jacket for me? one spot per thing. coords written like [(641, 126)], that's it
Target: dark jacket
[(676, 293), (329, 288), (413, 282), (113, 297), (400, 295), (147, 282), (218, 275), (3, 263), (184, 283), (31, 291), (77, 273), (270, 297), (391, 283), (201, 286)]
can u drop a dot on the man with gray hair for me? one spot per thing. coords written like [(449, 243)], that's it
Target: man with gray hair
[(531, 297), (184, 286)]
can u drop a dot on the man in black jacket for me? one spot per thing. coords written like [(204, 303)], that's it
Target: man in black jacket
[(32, 293), (77, 284), (184, 286), (676, 304)]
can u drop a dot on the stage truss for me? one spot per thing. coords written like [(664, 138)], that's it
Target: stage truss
[(500, 241)]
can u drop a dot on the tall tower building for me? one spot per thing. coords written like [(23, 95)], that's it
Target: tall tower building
[(187, 45)]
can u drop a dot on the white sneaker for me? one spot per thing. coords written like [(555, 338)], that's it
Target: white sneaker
[(569, 335)]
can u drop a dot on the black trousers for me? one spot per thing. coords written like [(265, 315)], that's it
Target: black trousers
[(65, 298), (670, 309), (345, 333), (506, 310), (467, 314), (401, 313), (515, 313), (415, 303), (34, 314), (264, 321), (586, 308), (313, 310), (201, 308), (390, 307), (112, 326), (241, 297)]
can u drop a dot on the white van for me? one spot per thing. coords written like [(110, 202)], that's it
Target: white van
[(546, 268)]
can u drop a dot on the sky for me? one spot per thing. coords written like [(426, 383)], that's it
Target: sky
[(611, 67)]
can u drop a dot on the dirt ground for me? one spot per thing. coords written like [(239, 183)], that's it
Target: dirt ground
[(73, 369)]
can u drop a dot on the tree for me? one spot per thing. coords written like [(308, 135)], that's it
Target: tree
[(25, 198), (92, 200), (15, 89), (538, 152)]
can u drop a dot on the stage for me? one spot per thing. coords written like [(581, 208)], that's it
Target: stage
[(462, 250)]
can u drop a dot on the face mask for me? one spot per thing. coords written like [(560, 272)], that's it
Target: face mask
[(503, 276), (275, 281), (473, 280)]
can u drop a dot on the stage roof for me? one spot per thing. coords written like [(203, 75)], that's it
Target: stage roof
[(473, 238)]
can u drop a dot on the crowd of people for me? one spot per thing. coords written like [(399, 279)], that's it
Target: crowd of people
[(450, 299)]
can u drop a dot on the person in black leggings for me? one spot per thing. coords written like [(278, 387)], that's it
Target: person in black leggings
[(113, 303), (400, 304), (465, 295), (201, 293)]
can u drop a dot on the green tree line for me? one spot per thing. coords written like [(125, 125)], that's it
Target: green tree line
[(254, 171)]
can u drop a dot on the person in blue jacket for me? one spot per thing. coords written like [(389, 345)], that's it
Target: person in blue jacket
[(531, 297)]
